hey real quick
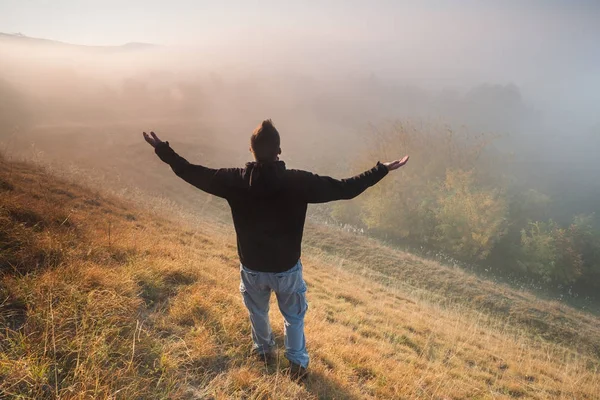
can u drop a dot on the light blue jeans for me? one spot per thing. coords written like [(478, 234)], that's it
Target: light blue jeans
[(290, 289)]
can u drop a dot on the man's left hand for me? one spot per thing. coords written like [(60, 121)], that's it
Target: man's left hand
[(152, 139)]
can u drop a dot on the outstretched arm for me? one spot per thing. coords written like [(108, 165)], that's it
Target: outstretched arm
[(213, 181), (322, 189)]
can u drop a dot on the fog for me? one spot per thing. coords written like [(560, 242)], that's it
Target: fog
[(330, 76), (529, 73)]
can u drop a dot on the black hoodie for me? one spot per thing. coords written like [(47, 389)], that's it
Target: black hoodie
[(268, 203)]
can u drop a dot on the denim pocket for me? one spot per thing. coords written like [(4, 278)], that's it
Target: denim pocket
[(247, 279), (290, 282)]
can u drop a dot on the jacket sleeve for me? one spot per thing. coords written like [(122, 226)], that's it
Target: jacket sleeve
[(218, 182), (321, 189)]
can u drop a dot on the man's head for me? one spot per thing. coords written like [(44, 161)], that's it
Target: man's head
[(265, 142)]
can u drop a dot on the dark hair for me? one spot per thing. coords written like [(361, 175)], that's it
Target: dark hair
[(265, 142)]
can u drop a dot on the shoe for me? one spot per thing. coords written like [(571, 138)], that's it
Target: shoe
[(298, 373)]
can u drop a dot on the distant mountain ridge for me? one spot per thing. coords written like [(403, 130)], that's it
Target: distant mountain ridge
[(19, 38)]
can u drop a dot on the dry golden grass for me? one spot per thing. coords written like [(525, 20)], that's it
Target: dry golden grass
[(103, 300), (452, 287)]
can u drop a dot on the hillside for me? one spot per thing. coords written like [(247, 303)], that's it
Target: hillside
[(20, 39), (102, 298)]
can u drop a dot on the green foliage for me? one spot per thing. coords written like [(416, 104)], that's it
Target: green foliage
[(561, 255), (452, 199), (442, 200), (469, 219), (586, 239), (539, 252)]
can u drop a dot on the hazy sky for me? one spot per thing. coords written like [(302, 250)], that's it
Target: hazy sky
[(548, 47), (467, 22)]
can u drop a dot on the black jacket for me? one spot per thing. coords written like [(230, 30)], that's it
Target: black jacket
[(268, 203)]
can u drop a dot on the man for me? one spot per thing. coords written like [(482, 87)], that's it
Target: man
[(268, 204)]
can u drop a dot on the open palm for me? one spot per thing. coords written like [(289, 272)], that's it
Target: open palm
[(392, 165), (152, 139)]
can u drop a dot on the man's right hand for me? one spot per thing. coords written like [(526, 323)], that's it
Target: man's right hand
[(392, 165)]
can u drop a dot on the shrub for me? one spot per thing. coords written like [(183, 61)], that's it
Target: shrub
[(586, 239), (469, 219), (550, 252), (451, 198), (440, 200)]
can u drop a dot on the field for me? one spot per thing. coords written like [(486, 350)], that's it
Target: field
[(125, 296)]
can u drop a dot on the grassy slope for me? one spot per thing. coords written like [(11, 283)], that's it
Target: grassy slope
[(100, 299), (548, 320)]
